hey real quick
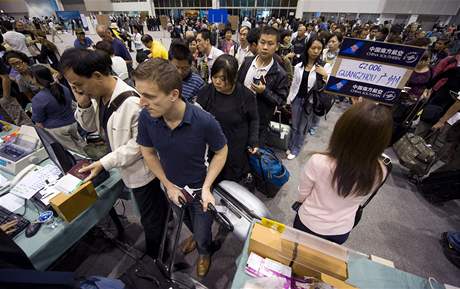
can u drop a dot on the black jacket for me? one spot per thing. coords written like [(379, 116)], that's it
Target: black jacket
[(276, 90), (239, 119)]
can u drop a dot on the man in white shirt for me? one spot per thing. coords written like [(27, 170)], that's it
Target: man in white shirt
[(53, 31), (243, 51), (137, 37), (95, 89), (266, 78), (16, 40), (203, 43)]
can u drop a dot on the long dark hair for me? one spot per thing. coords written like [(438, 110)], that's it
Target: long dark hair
[(307, 47), (359, 138), (44, 77), (229, 65)]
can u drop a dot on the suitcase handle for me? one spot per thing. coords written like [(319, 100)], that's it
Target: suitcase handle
[(279, 116), (221, 218)]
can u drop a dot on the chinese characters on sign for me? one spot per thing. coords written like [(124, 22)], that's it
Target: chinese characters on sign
[(374, 70), (369, 72)]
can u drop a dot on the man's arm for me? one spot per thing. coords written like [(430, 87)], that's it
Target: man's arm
[(153, 162), (215, 167), (85, 113)]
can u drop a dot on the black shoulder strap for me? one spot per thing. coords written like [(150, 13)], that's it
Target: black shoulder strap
[(389, 167), (118, 101)]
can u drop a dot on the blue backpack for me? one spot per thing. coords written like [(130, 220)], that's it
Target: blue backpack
[(269, 172)]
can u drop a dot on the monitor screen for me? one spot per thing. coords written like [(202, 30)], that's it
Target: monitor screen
[(57, 153)]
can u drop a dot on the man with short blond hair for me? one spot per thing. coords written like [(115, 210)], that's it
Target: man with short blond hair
[(175, 136)]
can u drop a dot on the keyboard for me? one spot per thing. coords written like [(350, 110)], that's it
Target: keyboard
[(7, 216)]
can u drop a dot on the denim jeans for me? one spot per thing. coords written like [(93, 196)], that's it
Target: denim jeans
[(199, 223), (315, 121), (300, 124), (153, 206), (454, 240)]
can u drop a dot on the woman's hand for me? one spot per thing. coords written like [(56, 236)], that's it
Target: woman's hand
[(253, 150), (426, 94), (320, 70), (290, 55)]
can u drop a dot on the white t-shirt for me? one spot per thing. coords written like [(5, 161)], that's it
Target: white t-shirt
[(138, 41), (215, 52), (119, 67), (256, 72), (241, 54), (17, 41)]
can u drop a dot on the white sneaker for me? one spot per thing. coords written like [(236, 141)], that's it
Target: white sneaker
[(288, 152), (291, 156)]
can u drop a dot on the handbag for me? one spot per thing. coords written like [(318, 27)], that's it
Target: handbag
[(359, 212), (414, 152), (321, 101)]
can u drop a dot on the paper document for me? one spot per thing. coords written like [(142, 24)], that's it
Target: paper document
[(11, 202), (35, 180), (67, 184), (454, 118), (47, 194), (3, 181)]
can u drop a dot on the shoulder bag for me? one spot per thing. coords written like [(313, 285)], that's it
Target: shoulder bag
[(359, 212)]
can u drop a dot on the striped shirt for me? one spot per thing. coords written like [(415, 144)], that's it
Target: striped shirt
[(191, 85)]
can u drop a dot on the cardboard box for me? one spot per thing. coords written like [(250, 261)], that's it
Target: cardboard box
[(70, 206), (316, 260), (339, 284), (304, 260), (267, 243)]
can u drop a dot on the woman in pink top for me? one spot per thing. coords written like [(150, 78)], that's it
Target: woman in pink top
[(333, 184)]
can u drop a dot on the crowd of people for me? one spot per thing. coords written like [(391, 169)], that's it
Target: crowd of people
[(207, 103)]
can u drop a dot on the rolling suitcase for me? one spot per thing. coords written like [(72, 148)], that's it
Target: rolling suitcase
[(150, 274), (240, 206)]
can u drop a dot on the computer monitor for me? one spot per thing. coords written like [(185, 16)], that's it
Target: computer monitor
[(63, 159)]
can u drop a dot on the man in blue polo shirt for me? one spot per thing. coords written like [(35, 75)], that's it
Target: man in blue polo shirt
[(119, 48), (174, 137), (82, 41)]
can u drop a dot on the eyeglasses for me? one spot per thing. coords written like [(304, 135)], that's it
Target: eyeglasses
[(18, 63)]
